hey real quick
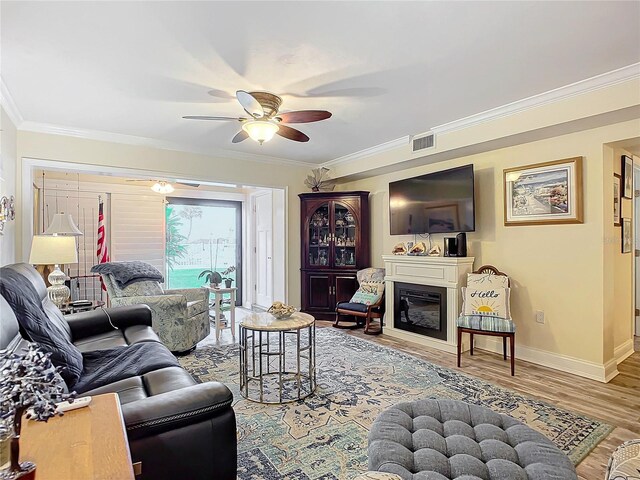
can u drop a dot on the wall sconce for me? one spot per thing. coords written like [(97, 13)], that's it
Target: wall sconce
[(7, 210)]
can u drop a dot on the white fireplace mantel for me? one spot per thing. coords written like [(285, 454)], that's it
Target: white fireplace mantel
[(447, 272)]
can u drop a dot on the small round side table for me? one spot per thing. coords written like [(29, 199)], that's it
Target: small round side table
[(277, 357)]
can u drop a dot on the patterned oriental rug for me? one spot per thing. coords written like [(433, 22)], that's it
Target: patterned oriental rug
[(325, 436)]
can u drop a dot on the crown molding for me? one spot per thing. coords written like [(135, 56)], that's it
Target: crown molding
[(367, 152), (6, 100), (38, 127), (556, 95), (604, 80)]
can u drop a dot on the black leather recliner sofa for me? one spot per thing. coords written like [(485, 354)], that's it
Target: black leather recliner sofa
[(176, 427)]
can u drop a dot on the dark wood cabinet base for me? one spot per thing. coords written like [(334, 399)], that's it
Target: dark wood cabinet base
[(322, 316)]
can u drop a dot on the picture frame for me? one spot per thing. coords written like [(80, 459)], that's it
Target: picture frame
[(545, 193), (617, 200), (627, 236), (627, 176)]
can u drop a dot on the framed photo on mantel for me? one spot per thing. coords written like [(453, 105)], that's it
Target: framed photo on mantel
[(544, 193)]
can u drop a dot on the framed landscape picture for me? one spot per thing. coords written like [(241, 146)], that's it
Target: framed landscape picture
[(627, 176), (544, 193), (617, 200), (627, 236)]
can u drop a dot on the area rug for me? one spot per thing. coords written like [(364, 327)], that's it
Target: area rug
[(325, 436)]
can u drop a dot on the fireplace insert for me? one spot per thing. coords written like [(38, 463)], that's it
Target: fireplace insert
[(420, 309)]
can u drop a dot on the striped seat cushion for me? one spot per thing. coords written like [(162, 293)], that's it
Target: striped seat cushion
[(487, 324)]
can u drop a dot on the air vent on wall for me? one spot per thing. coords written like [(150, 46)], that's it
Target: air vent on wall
[(422, 142)]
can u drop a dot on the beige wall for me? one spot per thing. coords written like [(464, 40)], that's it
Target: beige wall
[(171, 163), (8, 158), (558, 269)]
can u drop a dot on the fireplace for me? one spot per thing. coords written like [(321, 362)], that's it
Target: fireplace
[(420, 309)]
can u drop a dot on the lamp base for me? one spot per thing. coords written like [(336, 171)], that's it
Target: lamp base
[(58, 292)]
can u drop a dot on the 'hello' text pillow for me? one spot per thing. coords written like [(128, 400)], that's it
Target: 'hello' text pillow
[(489, 303)]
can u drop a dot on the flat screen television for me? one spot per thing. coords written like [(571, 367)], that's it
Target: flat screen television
[(438, 202)]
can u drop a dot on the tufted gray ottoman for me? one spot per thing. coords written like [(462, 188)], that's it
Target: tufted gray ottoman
[(449, 439)]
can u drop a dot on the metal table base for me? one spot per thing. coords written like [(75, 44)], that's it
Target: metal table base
[(283, 361)]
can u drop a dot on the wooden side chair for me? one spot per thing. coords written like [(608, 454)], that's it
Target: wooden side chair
[(477, 324), (365, 306)]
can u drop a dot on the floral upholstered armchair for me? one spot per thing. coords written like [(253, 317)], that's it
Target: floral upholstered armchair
[(180, 316), (624, 463)]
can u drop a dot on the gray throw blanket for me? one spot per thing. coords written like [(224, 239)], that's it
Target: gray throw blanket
[(126, 273), (102, 367), (36, 326)]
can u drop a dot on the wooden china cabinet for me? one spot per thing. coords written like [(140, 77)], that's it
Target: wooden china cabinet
[(335, 245)]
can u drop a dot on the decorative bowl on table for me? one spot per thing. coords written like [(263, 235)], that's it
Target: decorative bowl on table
[(281, 310)]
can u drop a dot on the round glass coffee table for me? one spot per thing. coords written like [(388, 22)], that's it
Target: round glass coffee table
[(277, 357)]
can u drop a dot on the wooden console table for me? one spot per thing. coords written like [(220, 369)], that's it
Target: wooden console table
[(85, 444)]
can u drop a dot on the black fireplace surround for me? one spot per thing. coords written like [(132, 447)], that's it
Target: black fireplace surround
[(420, 309)]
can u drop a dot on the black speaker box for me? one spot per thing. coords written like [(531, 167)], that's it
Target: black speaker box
[(461, 241), (450, 247)]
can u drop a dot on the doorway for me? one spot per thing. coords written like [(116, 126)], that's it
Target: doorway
[(136, 216), (264, 249)]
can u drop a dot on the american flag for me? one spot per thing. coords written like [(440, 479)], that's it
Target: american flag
[(103, 252)]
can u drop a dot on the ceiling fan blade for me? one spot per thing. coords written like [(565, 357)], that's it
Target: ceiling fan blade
[(240, 136), (250, 104), (304, 116), (292, 134), (188, 184), (206, 117)]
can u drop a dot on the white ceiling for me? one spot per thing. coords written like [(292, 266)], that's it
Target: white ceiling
[(385, 69)]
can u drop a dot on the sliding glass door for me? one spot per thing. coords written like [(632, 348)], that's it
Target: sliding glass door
[(203, 235)]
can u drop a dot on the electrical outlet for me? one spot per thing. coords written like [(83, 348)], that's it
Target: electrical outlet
[(539, 316)]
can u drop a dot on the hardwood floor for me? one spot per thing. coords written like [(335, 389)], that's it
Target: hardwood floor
[(616, 403)]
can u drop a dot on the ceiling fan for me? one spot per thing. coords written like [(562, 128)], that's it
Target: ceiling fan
[(162, 186), (264, 119)]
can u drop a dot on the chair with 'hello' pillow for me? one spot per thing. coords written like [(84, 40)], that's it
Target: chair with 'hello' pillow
[(486, 310)]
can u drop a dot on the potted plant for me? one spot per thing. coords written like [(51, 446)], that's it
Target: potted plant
[(228, 280), (212, 277), (27, 384)]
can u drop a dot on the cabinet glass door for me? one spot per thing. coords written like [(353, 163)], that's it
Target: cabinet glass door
[(344, 236), (319, 237)]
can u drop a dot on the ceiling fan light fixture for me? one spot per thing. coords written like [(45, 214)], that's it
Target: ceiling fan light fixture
[(261, 130), (162, 187)]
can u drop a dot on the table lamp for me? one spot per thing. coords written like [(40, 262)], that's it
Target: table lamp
[(56, 250)]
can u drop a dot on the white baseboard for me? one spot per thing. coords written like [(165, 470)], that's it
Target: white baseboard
[(595, 371), (624, 351)]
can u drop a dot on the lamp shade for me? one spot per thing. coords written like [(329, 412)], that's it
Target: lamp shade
[(62, 224), (53, 250)]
